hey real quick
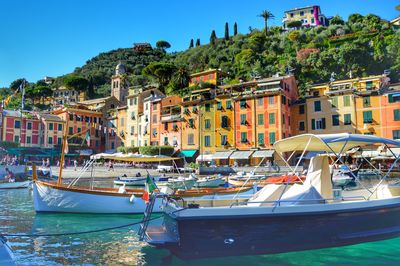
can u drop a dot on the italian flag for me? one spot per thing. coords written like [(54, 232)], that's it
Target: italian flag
[(148, 189)]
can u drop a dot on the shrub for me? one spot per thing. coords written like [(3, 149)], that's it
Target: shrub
[(156, 150)]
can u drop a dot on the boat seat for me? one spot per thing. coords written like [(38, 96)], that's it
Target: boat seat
[(270, 192)]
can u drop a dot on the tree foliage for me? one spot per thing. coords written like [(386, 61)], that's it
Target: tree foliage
[(156, 150)]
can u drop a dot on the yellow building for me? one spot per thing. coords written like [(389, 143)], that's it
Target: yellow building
[(132, 119), (211, 76), (309, 16), (62, 95), (190, 126), (340, 106)]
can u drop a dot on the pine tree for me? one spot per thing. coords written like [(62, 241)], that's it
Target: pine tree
[(197, 42), (226, 31), (213, 38), (191, 43), (235, 29)]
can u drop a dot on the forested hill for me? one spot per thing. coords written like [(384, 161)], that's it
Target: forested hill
[(364, 45)]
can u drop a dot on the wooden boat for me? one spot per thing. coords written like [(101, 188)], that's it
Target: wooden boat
[(209, 182), (282, 179), (14, 185), (280, 218)]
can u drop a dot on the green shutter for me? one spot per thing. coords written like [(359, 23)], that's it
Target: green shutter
[(261, 139), (390, 98), (260, 119), (272, 138), (313, 124), (397, 115), (271, 117), (323, 123)]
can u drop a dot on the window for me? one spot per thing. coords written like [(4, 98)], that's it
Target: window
[(334, 102), (224, 140), (191, 123), (207, 141), (367, 117), (291, 15), (165, 140), (28, 140), (366, 101), (154, 119), (312, 11), (317, 124), (243, 137), (312, 21), (335, 120), (283, 99), (29, 126), (130, 101), (271, 138), (122, 121), (59, 141), (243, 104), (17, 124), (260, 101), (219, 105), (260, 119), (394, 98), (191, 139), (79, 130), (207, 123), (283, 119), (271, 118), (260, 138), (155, 107), (301, 13), (317, 106), (271, 100), (135, 101), (301, 109), (208, 107), (16, 139), (302, 126), (132, 130), (347, 119), (70, 131), (346, 100), (243, 119), (50, 140), (224, 121), (369, 85), (51, 126), (154, 132), (194, 109), (133, 116), (228, 105), (396, 115), (60, 126), (97, 143), (396, 134), (71, 117)]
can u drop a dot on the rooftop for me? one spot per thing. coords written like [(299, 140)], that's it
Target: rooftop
[(51, 117), (95, 101)]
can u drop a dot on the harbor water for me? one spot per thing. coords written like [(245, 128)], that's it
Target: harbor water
[(121, 246)]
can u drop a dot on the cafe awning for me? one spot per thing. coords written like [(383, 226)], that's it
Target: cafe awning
[(241, 155), (187, 153), (222, 155), (204, 158), (263, 154)]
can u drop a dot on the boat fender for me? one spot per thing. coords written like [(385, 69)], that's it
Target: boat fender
[(132, 198)]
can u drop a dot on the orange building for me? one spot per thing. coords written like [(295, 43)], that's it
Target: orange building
[(171, 122), (390, 102)]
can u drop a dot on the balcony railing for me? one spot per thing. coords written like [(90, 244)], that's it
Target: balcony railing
[(166, 118)]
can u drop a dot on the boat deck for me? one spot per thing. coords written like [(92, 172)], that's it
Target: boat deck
[(159, 235)]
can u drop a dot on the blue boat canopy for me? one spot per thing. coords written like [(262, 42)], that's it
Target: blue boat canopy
[(330, 142)]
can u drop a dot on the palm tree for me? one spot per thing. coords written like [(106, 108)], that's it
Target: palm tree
[(266, 15)]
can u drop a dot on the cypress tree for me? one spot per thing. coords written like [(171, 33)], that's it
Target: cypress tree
[(235, 29), (213, 38), (226, 31), (191, 43), (197, 42)]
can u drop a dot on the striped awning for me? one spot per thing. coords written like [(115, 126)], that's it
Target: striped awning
[(263, 154), (241, 155), (222, 155)]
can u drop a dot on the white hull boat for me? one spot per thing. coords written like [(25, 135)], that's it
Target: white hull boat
[(50, 197), (136, 181), (209, 182), (12, 185)]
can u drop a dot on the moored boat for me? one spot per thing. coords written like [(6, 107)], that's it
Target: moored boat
[(209, 182), (278, 217), (6, 255), (14, 185)]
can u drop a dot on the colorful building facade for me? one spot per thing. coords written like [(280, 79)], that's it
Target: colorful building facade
[(310, 16), (171, 122)]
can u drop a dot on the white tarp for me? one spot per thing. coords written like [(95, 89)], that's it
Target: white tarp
[(222, 154), (204, 158), (241, 155), (263, 154), (270, 192)]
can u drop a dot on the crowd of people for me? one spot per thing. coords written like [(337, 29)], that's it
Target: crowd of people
[(9, 160)]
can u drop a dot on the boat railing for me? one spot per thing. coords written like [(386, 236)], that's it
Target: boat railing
[(278, 202)]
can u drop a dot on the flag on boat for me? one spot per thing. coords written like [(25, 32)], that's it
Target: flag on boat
[(148, 189), (87, 137)]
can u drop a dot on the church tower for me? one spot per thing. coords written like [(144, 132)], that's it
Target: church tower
[(119, 85)]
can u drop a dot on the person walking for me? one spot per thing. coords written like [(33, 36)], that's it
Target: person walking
[(75, 164)]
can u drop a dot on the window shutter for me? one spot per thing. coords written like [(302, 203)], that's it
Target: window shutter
[(323, 123), (390, 98), (312, 124)]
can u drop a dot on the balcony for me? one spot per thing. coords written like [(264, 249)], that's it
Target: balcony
[(170, 117)]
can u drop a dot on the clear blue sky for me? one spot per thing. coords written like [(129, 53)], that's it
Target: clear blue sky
[(52, 37)]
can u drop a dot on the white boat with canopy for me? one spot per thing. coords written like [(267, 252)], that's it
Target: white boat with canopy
[(277, 218)]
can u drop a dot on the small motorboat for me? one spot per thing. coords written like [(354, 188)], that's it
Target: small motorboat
[(209, 182), (137, 180), (342, 177), (179, 182), (6, 255), (242, 178), (16, 184)]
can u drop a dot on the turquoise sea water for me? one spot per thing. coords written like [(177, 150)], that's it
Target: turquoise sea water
[(122, 247)]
